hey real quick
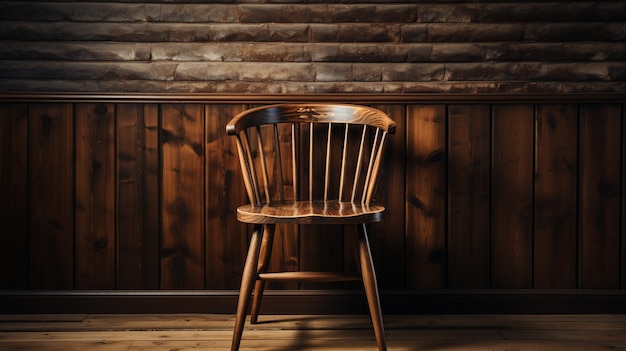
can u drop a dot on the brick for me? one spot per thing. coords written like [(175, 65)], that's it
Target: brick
[(232, 32), (191, 71), (369, 33), (416, 33), (454, 13), (275, 71), (421, 52), (355, 33), (333, 72), (485, 71), (525, 13), (323, 51), (372, 53), (335, 13), (413, 72), (288, 32), (274, 52), (532, 52), (455, 52), (575, 32), (470, 32), (367, 72)]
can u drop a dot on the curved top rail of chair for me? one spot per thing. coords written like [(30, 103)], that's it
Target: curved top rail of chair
[(314, 113)]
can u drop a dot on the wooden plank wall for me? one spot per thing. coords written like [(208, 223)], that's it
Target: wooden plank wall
[(484, 195)]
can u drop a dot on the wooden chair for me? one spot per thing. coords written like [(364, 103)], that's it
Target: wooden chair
[(308, 164)]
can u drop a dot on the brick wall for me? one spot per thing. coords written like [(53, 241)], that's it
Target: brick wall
[(304, 47)]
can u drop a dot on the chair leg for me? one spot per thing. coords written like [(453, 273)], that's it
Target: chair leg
[(371, 287), (264, 261), (247, 280)]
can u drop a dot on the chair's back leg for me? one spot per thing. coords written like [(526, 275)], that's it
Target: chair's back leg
[(371, 287), (264, 260)]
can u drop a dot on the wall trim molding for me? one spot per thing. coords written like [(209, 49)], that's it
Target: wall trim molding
[(290, 98), (317, 301)]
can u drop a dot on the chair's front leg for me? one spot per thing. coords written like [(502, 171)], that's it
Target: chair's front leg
[(247, 281), (371, 287)]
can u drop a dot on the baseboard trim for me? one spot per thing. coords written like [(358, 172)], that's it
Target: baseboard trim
[(317, 301)]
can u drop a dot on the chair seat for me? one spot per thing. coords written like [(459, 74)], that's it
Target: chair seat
[(310, 212)]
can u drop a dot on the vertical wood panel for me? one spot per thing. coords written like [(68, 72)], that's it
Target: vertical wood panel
[(14, 198), (137, 196), (512, 190), (51, 196), (469, 182), (425, 196), (350, 254), (94, 196), (600, 196), (285, 254), (321, 249), (556, 172), (182, 208), (388, 236), (226, 239), (623, 184)]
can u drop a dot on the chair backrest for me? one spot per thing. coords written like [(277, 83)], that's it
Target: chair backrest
[(329, 152)]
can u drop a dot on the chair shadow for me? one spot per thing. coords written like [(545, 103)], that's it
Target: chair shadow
[(304, 339)]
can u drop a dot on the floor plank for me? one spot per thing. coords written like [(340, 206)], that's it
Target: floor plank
[(180, 332)]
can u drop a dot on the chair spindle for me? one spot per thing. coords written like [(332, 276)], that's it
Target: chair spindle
[(262, 157), (294, 159), (279, 163), (374, 176), (358, 164), (311, 159), (343, 162), (252, 187), (369, 167), (327, 170)]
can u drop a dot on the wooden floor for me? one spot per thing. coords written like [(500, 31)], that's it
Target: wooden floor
[(313, 332)]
